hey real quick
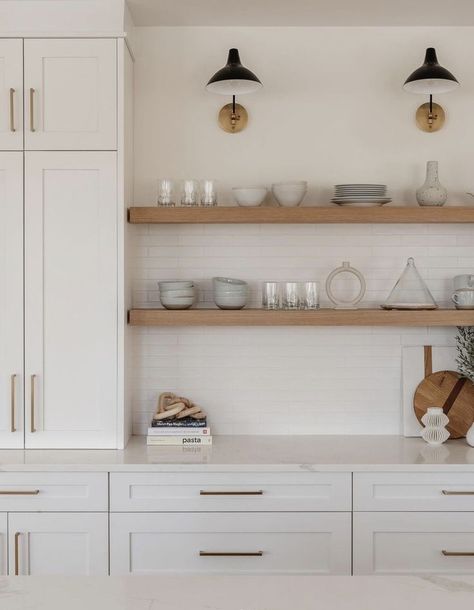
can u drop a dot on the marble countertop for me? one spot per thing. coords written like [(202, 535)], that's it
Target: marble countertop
[(256, 453), (237, 592)]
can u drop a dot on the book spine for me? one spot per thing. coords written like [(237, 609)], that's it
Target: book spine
[(179, 431), (179, 440)]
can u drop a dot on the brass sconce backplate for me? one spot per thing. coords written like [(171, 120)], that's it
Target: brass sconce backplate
[(233, 123), (429, 123)]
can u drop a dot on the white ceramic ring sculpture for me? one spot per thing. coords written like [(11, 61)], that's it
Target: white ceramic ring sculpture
[(340, 303)]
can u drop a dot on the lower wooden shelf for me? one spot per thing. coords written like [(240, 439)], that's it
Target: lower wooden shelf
[(320, 317)]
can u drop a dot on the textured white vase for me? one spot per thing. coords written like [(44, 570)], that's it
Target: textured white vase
[(432, 193), (470, 436), (435, 420)]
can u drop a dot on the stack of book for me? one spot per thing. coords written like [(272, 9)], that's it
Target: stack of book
[(179, 432)]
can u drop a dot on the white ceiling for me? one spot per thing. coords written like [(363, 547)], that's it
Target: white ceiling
[(302, 12)]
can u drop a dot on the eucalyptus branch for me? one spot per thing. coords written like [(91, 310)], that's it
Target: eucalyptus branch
[(465, 347)]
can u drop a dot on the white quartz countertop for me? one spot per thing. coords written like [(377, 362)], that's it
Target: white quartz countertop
[(237, 593), (256, 453)]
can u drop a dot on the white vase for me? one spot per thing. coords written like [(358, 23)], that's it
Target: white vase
[(432, 193), (435, 420), (470, 436)]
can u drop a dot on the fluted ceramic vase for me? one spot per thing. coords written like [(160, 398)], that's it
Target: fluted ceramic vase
[(435, 420), (432, 193)]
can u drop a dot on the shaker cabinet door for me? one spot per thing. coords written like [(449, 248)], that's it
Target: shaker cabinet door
[(58, 544), (70, 94), (70, 299), (3, 544), (11, 94), (11, 300)]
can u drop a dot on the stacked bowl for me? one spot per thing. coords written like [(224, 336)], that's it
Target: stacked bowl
[(177, 294), (229, 293), (290, 194)]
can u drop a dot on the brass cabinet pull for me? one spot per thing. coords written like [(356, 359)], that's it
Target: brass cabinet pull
[(446, 492), (11, 492), (230, 554), (458, 553), (32, 113), (32, 414), (12, 402), (12, 109), (259, 492), (17, 553)]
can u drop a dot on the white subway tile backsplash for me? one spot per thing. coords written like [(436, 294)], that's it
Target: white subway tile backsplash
[(288, 380)]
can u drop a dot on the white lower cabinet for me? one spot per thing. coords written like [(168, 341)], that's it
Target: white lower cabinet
[(46, 544), (3, 544), (299, 543), (413, 543)]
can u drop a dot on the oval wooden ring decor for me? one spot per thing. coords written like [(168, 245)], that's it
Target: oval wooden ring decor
[(453, 393), (340, 303)]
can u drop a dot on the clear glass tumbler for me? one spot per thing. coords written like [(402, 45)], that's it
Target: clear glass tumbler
[(309, 292), (208, 193), (290, 295), (166, 193), (271, 295), (190, 193)]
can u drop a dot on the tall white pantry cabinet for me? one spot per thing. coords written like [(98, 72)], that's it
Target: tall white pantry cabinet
[(62, 242)]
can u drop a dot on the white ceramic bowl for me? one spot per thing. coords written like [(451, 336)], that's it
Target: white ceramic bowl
[(175, 285), (289, 194), (177, 305), (251, 196)]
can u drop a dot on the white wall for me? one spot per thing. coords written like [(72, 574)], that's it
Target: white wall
[(332, 110)]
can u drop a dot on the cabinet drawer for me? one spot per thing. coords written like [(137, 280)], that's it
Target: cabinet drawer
[(53, 491), (413, 543), (230, 543), (389, 491), (306, 491)]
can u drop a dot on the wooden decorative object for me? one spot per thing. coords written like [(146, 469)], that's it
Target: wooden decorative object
[(453, 393), (171, 406)]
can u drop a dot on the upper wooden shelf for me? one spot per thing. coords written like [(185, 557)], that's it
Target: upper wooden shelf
[(320, 317), (300, 215)]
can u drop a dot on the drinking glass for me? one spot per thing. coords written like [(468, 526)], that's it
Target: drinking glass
[(208, 193), (271, 295), (166, 193), (309, 295), (290, 297), (189, 193)]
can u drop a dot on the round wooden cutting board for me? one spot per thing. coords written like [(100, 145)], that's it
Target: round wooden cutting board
[(452, 392)]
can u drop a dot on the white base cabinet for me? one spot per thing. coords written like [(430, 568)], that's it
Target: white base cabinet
[(413, 543), (3, 544), (53, 544), (234, 543)]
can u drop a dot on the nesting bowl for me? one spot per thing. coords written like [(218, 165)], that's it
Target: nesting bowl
[(177, 294), (229, 293), (249, 197), (290, 194)]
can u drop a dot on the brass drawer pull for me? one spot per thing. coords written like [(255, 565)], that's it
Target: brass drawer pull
[(446, 492), (32, 406), (13, 402), (32, 111), (259, 492), (17, 554), (230, 554), (8, 492), (12, 110), (458, 553)]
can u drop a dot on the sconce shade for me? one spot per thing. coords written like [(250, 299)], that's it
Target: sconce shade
[(430, 78), (233, 78)]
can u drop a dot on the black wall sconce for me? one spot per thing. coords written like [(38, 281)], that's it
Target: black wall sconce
[(233, 79), (430, 78)]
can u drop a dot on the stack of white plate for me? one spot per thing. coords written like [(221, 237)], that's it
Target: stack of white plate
[(360, 195), (177, 294), (229, 293)]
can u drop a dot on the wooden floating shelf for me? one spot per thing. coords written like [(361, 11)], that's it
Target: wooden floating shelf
[(320, 317), (300, 215)]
